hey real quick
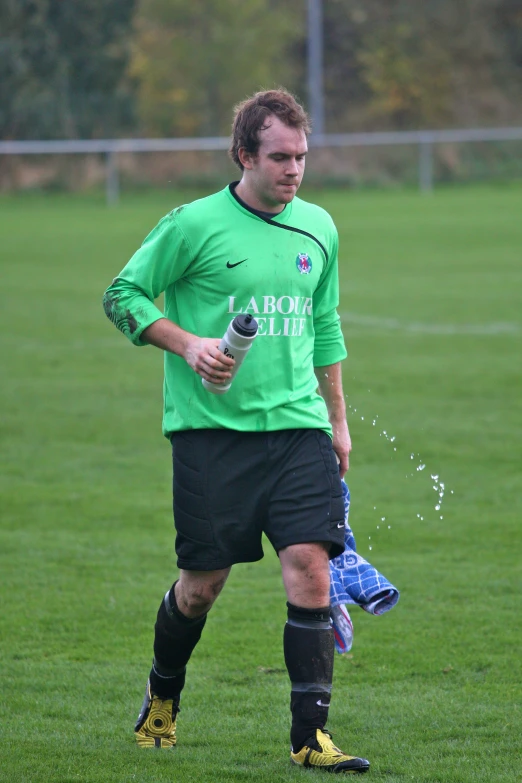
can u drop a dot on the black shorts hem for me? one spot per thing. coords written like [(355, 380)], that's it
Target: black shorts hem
[(336, 548), (217, 565)]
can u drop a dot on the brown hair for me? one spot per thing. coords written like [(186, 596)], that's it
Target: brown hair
[(251, 114)]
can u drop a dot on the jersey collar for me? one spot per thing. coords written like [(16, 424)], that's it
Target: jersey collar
[(281, 217)]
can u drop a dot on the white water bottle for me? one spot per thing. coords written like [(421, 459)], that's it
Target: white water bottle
[(235, 343)]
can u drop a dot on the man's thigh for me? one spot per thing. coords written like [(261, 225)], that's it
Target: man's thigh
[(219, 497), (306, 501)]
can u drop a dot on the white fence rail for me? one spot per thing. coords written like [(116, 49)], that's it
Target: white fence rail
[(425, 140)]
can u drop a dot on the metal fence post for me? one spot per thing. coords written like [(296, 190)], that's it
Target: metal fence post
[(426, 166), (112, 184), (315, 66)]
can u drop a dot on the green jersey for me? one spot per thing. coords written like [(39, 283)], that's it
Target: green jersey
[(215, 258)]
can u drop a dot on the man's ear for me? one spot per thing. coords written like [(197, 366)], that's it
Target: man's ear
[(246, 158)]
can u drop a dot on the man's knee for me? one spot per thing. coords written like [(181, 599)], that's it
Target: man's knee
[(196, 591), (306, 573)]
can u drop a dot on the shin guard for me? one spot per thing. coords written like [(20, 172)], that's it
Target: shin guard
[(309, 653), (174, 640)]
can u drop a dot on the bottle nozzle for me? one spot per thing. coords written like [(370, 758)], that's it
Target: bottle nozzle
[(248, 318)]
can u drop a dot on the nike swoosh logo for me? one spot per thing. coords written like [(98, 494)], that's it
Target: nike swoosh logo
[(231, 266), (320, 704), (341, 525)]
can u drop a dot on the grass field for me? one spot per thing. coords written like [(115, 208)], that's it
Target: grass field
[(432, 314)]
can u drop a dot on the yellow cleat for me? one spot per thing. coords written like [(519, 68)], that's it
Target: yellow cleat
[(156, 724), (321, 753)]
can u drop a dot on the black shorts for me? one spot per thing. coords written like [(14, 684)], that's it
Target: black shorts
[(231, 487)]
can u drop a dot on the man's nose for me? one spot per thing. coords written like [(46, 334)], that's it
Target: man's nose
[(292, 169)]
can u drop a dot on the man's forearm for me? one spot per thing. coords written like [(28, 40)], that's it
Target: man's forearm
[(330, 383), (168, 336), (200, 353)]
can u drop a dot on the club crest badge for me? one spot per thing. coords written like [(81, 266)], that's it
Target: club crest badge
[(303, 263)]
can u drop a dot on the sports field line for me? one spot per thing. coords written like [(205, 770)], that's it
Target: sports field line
[(393, 324)]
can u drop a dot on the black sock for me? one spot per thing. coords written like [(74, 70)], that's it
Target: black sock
[(309, 652), (174, 639)]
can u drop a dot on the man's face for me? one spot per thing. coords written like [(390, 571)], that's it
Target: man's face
[(273, 175)]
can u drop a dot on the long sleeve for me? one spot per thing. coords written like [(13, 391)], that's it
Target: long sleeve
[(329, 345), (162, 259)]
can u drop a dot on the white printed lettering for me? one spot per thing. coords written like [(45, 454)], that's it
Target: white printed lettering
[(269, 304), (280, 305), (231, 305), (286, 327), (271, 332), (261, 323), (252, 304), (307, 306)]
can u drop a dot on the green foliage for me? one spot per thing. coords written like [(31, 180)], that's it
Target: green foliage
[(194, 61), (423, 65), (94, 68), (62, 68), (431, 692)]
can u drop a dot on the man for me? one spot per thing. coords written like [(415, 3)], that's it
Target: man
[(259, 458)]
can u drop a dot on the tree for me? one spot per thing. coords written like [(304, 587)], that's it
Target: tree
[(404, 64), (63, 68), (194, 61)]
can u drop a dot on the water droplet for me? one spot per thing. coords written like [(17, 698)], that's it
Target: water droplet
[(378, 527), (442, 517), (422, 519), (362, 418), (373, 422), (392, 438), (437, 507), (418, 516), (412, 456), (370, 548), (383, 519), (421, 467), (394, 448), (389, 527), (451, 491), (435, 478), (326, 375), (375, 508)]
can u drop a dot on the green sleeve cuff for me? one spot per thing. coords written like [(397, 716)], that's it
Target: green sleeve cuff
[(130, 310)]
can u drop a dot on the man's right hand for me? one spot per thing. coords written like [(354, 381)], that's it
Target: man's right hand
[(200, 353), (205, 358)]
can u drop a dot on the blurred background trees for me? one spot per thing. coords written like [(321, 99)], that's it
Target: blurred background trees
[(64, 68), (102, 68)]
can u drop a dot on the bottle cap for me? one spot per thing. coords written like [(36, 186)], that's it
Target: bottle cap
[(245, 325)]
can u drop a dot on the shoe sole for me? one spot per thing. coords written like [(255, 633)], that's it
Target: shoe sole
[(334, 770), (154, 742)]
